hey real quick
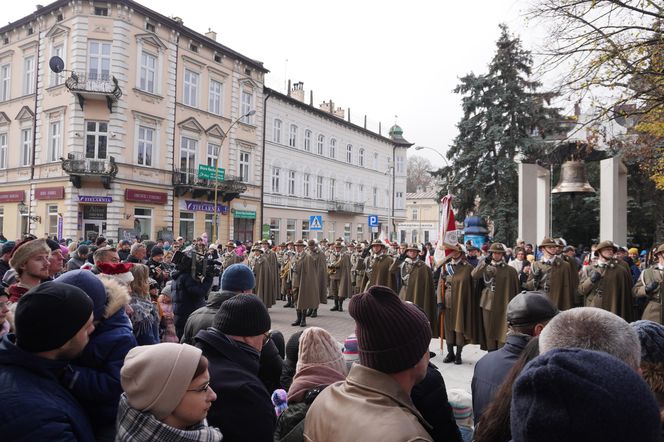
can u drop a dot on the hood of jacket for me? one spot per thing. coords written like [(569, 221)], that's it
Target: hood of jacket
[(237, 352), (117, 296)]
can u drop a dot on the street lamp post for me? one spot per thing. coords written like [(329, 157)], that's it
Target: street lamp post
[(443, 158), (215, 234)]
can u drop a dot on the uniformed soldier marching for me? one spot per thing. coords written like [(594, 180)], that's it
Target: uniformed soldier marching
[(551, 275), (651, 285)]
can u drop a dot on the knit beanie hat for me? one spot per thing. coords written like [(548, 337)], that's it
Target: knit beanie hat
[(238, 278), (391, 334), (7, 247), (293, 347), (462, 406), (350, 351), (91, 285), (571, 394), (49, 315), (26, 249), (156, 377), (120, 271), (651, 336), (156, 251), (242, 315), (318, 347), (53, 245)]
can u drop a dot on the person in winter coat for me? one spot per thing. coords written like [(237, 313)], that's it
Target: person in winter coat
[(79, 258), (94, 377), (233, 347), (53, 325), (144, 315), (190, 294), (319, 364), (288, 367), (6, 320), (167, 324), (651, 337), (167, 395), (5, 254)]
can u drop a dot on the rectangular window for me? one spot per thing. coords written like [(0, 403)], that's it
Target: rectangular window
[(291, 182), (99, 60), (188, 148), (55, 141), (307, 140), (52, 220), (3, 151), (360, 158), (247, 105), (145, 145), (347, 231), (191, 79), (348, 188), (290, 229), (276, 131), (413, 236), (212, 153), (306, 178), (292, 136), (215, 97), (209, 225), (143, 222), (96, 138), (187, 225), (26, 146), (29, 75), (360, 193), (360, 232), (275, 179), (375, 197), (244, 166), (148, 79), (349, 154), (305, 230), (399, 163), (5, 82), (399, 201), (414, 214), (58, 51), (375, 161), (333, 148), (274, 229), (2, 219), (426, 236), (319, 187), (333, 184), (101, 11), (320, 144)]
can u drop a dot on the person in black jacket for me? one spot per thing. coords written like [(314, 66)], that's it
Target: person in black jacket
[(233, 346), (430, 399), (190, 294), (5, 252)]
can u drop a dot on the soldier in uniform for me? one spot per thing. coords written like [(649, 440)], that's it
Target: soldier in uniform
[(378, 267), (319, 276), (607, 284), (273, 268), (568, 253), (309, 276), (551, 275), (454, 299), (285, 274), (651, 285), (356, 273), (501, 284), (339, 268), (261, 268), (229, 257), (295, 273)]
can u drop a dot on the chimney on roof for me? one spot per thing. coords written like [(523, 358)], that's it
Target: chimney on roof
[(327, 107), (311, 97), (178, 20), (211, 34), (39, 7), (297, 91)]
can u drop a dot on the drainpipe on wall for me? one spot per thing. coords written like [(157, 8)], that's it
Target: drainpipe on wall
[(175, 111), (260, 228), (34, 133), (394, 169)]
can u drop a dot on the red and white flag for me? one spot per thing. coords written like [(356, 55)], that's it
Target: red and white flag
[(448, 233)]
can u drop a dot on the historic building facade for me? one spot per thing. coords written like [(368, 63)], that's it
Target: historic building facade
[(422, 222), (113, 144), (320, 165)]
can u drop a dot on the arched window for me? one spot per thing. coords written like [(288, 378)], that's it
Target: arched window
[(276, 131)]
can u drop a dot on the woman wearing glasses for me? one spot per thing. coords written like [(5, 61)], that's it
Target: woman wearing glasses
[(167, 395)]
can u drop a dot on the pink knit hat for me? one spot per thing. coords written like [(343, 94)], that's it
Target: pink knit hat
[(318, 347)]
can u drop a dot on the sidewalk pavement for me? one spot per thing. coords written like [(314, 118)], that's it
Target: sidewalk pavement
[(340, 325)]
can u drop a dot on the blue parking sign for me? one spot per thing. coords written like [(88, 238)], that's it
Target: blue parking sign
[(373, 220), (316, 222)]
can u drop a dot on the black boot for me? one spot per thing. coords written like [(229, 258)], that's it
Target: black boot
[(341, 305), (336, 306), (289, 301), (303, 322), (314, 314), (307, 312), (299, 318), (450, 354), (457, 359)]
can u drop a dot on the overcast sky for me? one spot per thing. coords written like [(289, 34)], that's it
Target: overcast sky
[(383, 59)]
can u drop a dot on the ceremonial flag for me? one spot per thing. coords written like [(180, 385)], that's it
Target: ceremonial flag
[(448, 233)]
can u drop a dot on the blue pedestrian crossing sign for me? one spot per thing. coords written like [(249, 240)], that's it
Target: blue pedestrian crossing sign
[(373, 220), (316, 222)]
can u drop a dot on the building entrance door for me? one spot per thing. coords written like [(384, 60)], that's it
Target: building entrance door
[(243, 229), (92, 229), (94, 221)]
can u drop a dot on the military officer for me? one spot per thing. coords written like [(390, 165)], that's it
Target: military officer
[(551, 275), (339, 269), (378, 267), (651, 285)]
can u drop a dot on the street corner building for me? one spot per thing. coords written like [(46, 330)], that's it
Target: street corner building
[(146, 128)]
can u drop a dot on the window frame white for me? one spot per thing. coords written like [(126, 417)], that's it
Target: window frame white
[(320, 144), (360, 157), (145, 217), (142, 142), (189, 220), (216, 97), (246, 105), (26, 146), (332, 184), (3, 149), (291, 182), (306, 182), (349, 153), (319, 187), (244, 167), (191, 86), (99, 135), (52, 219), (332, 148), (276, 172), (276, 130), (54, 140), (5, 82), (102, 61), (307, 140), (211, 155), (146, 71), (292, 135), (189, 145), (29, 75)]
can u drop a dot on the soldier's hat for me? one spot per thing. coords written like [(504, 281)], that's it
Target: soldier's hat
[(377, 242), (411, 247), (283, 244), (323, 241), (606, 245), (561, 242), (300, 242), (659, 250), (403, 245), (230, 244), (455, 248), (265, 241), (256, 249), (548, 242), (289, 243), (359, 245), (339, 243), (497, 248), (312, 243)]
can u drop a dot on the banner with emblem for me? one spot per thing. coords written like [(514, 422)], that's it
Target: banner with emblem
[(448, 232)]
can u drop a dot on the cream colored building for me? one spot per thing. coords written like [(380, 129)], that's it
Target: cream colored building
[(422, 218), (113, 144)]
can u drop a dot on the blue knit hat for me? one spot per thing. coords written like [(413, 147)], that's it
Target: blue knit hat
[(570, 395), (238, 278), (91, 285), (651, 336)]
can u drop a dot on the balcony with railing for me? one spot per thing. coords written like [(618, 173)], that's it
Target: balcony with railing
[(78, 166), (187, 181), (94, 87), (346, 207)]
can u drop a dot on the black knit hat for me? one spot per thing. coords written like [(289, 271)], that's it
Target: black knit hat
[(293, 347), (156, 251), (242, 315), (49, 315), (392, 335)]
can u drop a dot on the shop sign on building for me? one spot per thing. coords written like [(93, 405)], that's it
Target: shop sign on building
[(12, 196), (202, 206), (94, 199), (50, 193), (145, 196)]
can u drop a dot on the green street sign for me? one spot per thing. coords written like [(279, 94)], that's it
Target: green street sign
[(208, 173), (266, 231), (246, 214)]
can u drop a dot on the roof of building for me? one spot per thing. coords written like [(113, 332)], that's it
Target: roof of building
[(427, 194), (328, 115), (172, 23)]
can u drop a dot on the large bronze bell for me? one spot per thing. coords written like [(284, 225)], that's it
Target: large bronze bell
[(573, 178)]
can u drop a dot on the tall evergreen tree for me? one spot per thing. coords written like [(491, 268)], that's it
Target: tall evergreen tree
[(502, 117)]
